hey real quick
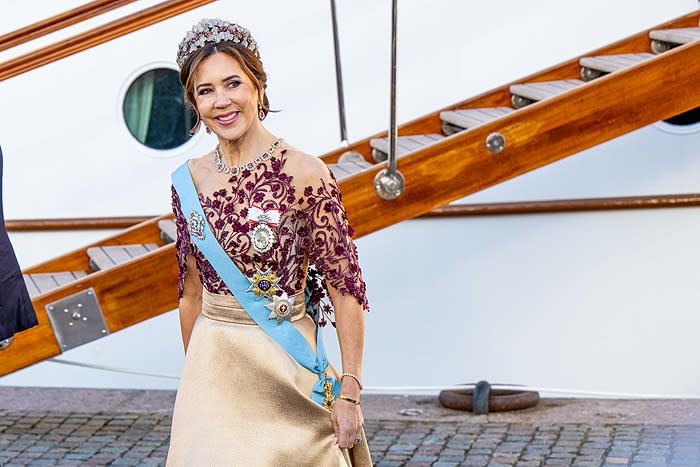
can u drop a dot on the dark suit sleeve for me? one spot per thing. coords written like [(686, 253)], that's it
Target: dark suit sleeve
[(16, 309)]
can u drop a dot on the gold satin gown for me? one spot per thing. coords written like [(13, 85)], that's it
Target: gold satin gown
[(243, 400)]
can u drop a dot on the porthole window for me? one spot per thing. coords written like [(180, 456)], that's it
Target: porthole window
[(690, 117), (155, 111)]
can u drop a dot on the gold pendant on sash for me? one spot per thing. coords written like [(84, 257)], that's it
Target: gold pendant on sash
[(329, 399), (264, 284), (281, 308)]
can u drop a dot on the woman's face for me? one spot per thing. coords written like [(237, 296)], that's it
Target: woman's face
[(227, 100)]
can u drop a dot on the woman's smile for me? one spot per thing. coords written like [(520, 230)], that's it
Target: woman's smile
[(227, 119)]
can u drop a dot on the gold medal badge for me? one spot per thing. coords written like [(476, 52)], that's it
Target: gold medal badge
[(264, 284)]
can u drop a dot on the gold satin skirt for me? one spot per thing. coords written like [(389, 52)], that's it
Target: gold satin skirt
[(243, 401)]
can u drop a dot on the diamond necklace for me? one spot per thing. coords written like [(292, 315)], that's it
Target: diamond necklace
[(221, 167)]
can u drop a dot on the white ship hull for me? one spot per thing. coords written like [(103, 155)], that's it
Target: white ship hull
[(603, 301)]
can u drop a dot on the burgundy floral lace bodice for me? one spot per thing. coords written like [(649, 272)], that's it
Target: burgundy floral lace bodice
[(312, 228)]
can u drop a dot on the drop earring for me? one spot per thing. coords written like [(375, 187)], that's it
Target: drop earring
[(261, 112), (206, 128)]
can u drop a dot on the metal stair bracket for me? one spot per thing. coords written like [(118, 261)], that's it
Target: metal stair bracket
[(77, 319), (389, 183)]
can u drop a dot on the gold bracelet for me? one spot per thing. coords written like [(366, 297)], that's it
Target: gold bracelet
[(346, 398), (353, 377)]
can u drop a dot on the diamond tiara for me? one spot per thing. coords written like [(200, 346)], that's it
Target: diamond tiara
[(214, 30)]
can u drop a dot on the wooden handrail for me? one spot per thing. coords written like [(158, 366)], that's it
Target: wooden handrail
[(451, 210), (58, 22), (97, 36), (74, 223), (566, 205)]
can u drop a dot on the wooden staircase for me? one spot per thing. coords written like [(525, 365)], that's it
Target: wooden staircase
[(542, 118)]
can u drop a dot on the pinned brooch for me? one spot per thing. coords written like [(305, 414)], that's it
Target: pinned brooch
[(264, 284), (196, 225), (281, 308), (262, 236)]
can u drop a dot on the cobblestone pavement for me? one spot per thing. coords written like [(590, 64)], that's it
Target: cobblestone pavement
[(497, 444), (95, 439), (99, 427)]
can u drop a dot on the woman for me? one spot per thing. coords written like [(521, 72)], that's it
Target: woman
[(16, 309), (256, 389)]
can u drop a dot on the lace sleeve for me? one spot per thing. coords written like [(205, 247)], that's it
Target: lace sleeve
[(329, 241), (182, 244)]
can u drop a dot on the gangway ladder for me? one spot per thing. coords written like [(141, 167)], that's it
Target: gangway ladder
[(444, 156)]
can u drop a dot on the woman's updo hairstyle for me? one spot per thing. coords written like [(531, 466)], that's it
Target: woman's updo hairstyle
[(211, 36)]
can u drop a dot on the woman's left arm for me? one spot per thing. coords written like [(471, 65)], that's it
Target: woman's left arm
[(350, 325), (332, 251)]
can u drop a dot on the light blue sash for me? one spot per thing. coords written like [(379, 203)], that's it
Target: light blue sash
[(284, 333)]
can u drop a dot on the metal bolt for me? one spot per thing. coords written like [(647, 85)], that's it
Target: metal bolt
[(70, 324), (495, 142), (76, 315)]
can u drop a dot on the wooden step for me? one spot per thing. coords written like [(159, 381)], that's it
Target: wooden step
[(168, 230), (404, 145), (526, 94), (454, 121), (665, 39), (349, 168), (103, 257), (40, 283), (594, 67)]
